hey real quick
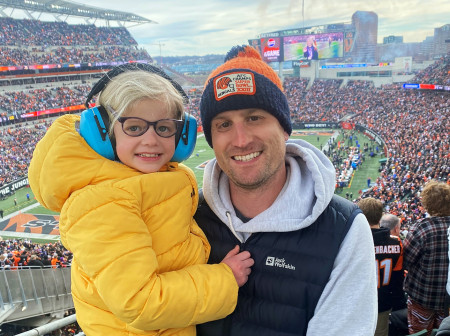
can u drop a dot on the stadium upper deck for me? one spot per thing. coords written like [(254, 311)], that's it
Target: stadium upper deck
[(71, 8), (29, 48), (33, 52)]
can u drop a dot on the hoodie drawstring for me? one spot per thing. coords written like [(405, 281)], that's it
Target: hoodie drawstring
[(230, 222)]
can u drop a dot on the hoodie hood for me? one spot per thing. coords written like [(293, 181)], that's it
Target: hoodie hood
[(309, 187), (64, 163), (380, 234)]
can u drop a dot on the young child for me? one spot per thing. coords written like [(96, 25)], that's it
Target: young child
[(139, 257)]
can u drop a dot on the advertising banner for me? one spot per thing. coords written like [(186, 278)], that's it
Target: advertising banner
[(271, 49), (315, 124), (9, 188)]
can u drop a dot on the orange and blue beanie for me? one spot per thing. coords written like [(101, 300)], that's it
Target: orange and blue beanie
[(243, 81)]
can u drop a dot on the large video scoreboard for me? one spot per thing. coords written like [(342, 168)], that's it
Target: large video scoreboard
[(304, 45)]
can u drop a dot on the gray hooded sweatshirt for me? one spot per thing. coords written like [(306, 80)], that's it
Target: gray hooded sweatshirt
[(348, 304)]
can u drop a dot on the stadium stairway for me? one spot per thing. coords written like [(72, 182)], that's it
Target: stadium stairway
[(34, 296)]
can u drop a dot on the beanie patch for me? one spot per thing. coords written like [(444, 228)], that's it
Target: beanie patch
[(234, 83)]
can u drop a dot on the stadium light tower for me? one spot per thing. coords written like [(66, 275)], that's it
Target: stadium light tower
[(303, 13), (160, 55)]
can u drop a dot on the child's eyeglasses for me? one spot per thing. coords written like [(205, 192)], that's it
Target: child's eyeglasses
[(135, 127)]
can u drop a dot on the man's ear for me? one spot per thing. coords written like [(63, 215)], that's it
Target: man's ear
[(286, 136)]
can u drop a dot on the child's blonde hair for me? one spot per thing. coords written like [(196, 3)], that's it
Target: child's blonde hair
[(128, 88)]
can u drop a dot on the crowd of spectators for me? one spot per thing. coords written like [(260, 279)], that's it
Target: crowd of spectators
[(193, 106), (295, 89), (62, 55), (437, 73), (32, 42), (318, 102), (416, 130), (16, 150), (327, 100), (22, 253), (43, 98), (21, 33), (414, 125)]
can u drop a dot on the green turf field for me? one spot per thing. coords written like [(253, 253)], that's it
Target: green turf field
[(202, 154)]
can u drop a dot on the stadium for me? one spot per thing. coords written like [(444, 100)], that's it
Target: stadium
[(380, 112)]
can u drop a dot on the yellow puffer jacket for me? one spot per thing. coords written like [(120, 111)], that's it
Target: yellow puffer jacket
[(139, 257)]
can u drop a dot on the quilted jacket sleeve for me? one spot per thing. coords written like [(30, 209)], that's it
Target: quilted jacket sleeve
[(113, 246)]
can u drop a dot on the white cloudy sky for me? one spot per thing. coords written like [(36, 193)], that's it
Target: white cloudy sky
[(195, 27)]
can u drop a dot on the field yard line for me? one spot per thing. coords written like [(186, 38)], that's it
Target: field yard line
[(32, 206)]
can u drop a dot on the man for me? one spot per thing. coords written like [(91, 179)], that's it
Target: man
[(13, 260), (35, 262), (426, 260), (391, 222), (398, 321), (314, 271), (389, 259)]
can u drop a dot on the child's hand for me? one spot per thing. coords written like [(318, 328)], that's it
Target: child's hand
[(240, 264)]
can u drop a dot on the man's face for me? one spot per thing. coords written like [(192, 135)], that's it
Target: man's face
[(249, 145)]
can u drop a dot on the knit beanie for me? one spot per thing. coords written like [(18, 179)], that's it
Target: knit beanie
[(243, 81)]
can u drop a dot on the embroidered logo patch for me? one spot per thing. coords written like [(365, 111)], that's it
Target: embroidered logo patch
[(242, 83)]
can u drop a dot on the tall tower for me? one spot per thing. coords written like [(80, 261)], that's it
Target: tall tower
[(365, 43), (442, 40)]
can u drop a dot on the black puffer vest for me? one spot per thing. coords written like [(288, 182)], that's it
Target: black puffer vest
[(290, 272)]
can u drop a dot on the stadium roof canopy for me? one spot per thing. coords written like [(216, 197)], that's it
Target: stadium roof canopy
[(61, 8)]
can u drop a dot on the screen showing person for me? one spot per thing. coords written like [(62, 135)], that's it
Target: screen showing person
[(310, 50), (313, 46)]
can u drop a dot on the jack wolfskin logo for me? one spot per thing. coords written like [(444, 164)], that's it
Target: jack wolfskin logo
[(270, 261), (279, 262)]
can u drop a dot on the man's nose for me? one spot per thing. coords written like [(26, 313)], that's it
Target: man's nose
[(241, 136)]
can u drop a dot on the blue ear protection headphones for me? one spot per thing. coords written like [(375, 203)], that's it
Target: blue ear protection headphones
[(94, 123)]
